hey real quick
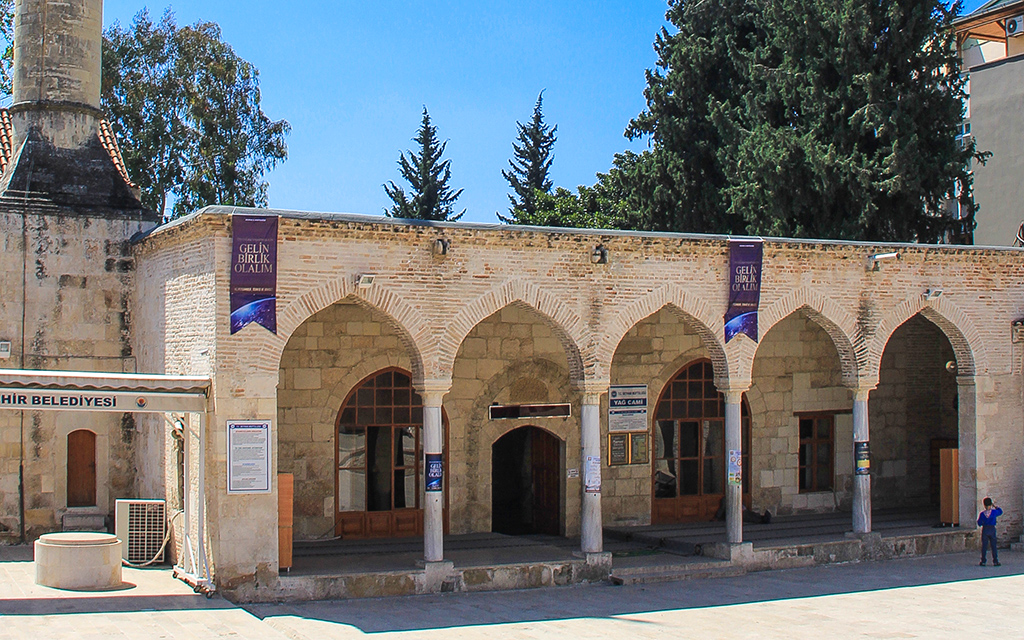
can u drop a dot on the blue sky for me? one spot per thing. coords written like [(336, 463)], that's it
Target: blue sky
[(353, 77)]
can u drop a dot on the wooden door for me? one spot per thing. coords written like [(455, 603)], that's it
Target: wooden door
[(82, 468), (546, 472)]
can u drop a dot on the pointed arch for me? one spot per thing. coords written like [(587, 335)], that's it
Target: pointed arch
[(566, 325), (824, 312), (408, 324), (693, 311), (960, 330)]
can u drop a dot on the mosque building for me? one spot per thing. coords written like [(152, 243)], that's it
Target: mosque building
[(425, 381)]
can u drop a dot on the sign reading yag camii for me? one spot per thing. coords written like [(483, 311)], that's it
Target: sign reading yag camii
[(253, 271), (248, 456), (745, 258), (627, 407)]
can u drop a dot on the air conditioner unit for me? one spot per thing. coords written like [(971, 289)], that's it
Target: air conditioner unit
[(140, 525), (1015, 27)]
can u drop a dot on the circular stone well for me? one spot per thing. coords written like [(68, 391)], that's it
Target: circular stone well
[(78, 560)]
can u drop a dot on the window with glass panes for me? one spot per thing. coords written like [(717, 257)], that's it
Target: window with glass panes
[(379, 445), (817, 452), (689, 436)]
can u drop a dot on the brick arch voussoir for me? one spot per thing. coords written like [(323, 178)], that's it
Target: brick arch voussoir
[(840, 325), (958, 327), (693, 311), (567, 326), (402, 317)]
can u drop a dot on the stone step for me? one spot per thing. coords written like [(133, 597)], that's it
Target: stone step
[(671, 573), (84, 522)]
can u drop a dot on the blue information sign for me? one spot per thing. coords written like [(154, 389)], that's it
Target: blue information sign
[(435, 471)]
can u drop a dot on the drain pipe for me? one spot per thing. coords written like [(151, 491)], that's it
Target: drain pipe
[(21, 364)]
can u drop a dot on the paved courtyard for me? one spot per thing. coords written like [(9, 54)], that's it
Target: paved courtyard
[(932, 597)]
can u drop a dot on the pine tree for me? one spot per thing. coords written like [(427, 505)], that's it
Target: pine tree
[(530, 167), (431, 198)]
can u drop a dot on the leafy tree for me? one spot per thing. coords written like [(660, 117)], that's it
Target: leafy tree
[(824, 118), (186, 110), (7, 55), (528, 173), (430, 198)]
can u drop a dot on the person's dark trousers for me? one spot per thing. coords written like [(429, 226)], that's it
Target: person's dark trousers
[(988, 539)]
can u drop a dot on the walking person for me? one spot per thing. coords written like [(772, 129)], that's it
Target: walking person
[(987, 522)]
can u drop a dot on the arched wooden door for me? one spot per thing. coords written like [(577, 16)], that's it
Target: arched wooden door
[(689, 468), (81, 468), (379, 481), (526, 492)]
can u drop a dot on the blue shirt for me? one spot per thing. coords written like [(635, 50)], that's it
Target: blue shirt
[(989, 520)]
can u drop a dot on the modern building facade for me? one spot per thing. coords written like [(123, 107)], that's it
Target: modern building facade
[(991, 42)]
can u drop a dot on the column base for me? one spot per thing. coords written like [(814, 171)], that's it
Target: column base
[(438, 576), (599, 558), (735, 552)]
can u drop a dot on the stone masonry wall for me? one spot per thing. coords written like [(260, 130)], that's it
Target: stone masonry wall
[(796, 370), (915, 402), (438, 300), (326, 358), (511, 357), (651, 353), (67, 284)]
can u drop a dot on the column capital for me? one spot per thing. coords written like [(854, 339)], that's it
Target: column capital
[(592, 390), (729, 387), (861, 387), (433, 390)]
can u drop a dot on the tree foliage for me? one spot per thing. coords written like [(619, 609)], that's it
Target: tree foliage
[(823, 118), (186, 111), (430, 197), (528, 170), (7, 42)]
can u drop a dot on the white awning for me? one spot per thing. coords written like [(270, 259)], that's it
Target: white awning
[(30, 390)]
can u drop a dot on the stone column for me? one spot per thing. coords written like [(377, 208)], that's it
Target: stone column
[(862, 462), (433, 464), (734, 443), (967, 417), (591, 530)]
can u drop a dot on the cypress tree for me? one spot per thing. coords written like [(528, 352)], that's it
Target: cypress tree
[(430, 197), (528, 170), (806, 118)]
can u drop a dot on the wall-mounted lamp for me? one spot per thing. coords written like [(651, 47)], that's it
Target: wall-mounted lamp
[(951, 366), (874, 261), (364, 281), (441, 246), (599, 255), (932, 294)]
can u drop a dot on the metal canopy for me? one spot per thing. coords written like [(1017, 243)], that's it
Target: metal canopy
[(30, 390)]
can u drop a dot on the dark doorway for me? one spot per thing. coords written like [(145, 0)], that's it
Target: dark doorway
[(82, 468), (526, 466)]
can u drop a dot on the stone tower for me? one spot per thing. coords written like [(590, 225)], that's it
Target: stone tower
[(67, 213)]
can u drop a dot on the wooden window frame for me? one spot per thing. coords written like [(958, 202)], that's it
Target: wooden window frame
[(815, 485)]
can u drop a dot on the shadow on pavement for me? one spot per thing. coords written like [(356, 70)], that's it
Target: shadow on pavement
[(602, 601)]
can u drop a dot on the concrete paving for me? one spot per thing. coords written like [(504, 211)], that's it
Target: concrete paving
[(946, 596)]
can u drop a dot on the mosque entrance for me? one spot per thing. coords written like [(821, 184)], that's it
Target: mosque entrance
[(379, 463), (689, 448), (526, 466)]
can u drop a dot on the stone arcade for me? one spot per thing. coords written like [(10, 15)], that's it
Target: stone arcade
[(397, 342)]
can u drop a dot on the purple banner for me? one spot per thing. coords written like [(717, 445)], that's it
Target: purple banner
[(745, 258), (253, 271)]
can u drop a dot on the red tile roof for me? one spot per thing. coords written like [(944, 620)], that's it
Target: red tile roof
[(106, 134)]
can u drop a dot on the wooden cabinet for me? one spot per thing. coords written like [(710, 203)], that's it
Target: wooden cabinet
[(285, 519), (949, 486)]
